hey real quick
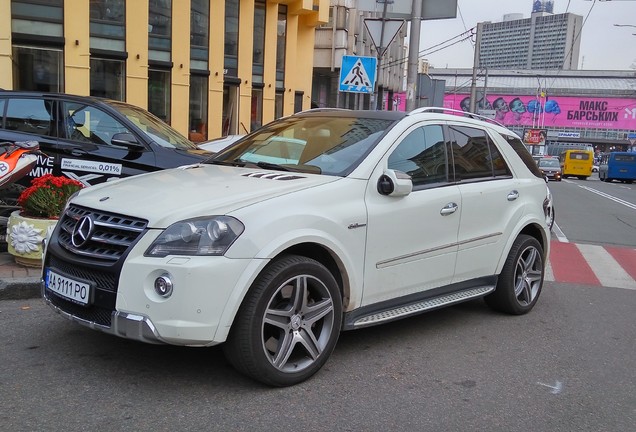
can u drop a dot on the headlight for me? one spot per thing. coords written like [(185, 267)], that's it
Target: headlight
[(202, 236), (548, 209)]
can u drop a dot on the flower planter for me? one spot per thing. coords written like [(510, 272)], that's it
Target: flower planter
[(24, 238)]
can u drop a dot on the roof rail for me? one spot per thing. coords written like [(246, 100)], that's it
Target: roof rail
[(455, 111)]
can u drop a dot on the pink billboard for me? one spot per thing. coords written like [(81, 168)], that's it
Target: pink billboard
[(565, 111)]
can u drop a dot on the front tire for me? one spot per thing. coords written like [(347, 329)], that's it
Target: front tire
[(288, 324), (521, 279)]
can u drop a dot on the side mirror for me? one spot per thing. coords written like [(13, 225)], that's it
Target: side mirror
[(126, 140), (395, 183)]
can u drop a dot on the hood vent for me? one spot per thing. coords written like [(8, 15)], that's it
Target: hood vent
[(273, 175)]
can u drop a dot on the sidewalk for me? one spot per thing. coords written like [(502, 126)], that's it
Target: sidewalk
[(18, 282)]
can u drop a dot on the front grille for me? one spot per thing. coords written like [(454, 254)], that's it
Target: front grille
[(108, 240), (98, 315), (103, 280), (104, 291)]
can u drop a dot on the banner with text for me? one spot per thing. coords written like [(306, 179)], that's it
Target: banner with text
[(566, 111)]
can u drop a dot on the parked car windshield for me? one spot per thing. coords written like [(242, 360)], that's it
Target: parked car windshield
[(549, 163), (159, 131), (320, 144)]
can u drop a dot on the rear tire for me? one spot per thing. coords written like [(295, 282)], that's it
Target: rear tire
[(521, 279), (288, 323)]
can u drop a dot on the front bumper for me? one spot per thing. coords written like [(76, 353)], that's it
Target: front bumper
[(126, 325), (207, 293)]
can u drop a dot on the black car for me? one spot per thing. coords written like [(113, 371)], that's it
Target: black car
[(92, 139)]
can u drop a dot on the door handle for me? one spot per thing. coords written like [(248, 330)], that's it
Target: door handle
[(79, 153), (449, 208), (513, 195)]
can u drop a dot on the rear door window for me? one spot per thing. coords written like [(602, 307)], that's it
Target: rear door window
[(32, 116), (475, 156)]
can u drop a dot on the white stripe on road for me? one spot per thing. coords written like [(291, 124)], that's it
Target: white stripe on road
[(607, 270), (548, 275), (611, 197)]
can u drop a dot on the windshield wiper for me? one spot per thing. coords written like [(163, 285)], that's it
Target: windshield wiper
[(268, 165), (213, 161)]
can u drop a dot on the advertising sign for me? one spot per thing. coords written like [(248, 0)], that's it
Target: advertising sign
[(534, 136), (566, 111)]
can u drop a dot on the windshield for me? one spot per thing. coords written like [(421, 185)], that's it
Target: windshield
[(156, 129), (549, 163), (318, 144)]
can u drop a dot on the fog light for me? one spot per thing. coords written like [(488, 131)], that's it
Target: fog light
[(163, 285)]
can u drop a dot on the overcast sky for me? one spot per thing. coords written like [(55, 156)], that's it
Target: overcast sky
[(603, 45)]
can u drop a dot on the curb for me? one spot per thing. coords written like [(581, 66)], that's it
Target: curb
[(20, 289)]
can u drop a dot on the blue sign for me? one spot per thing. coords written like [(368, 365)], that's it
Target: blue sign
[(357, 74), (631, 136)]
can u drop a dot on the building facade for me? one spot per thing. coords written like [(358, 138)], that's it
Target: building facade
[(543, 41), (345, 34), (570, 109), (207, 67)]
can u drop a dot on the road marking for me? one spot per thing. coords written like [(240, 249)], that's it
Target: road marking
[(610, 197), (559, 234), (607, 270), (556, 388), (579, 263)]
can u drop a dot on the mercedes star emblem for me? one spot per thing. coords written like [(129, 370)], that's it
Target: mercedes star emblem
[(82, 231)]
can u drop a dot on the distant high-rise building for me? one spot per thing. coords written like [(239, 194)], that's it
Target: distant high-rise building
[(543, 41)]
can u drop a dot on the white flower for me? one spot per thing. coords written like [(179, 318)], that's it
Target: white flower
[(25, 238)]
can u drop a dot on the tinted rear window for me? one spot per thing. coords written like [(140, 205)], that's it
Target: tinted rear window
[(524, 154)]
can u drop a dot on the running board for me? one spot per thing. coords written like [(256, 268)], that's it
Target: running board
[(422, 306)]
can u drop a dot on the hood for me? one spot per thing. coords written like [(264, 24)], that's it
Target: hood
[(168, 196)]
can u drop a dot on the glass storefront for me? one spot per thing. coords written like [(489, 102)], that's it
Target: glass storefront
[(159, 93), (38, 69), (198, 129)]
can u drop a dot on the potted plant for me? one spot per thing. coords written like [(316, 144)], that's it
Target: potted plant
[(40, 207)]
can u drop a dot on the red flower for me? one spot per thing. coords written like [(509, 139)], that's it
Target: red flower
[(47, 196)]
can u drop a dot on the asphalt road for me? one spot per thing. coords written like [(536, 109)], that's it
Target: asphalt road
[(595, 212), (569, 365)]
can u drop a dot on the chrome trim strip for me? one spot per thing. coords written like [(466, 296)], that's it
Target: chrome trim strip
[(393, 261), (484, 237), (389, 262)]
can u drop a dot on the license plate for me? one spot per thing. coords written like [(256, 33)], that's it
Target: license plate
[(71, 289)]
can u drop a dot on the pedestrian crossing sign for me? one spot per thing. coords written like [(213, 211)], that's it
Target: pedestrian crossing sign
[(357, 74)]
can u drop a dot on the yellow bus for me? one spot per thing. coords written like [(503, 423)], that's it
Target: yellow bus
[(576, 163)]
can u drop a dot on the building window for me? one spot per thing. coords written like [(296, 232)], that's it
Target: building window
[(256, 118), (41, 18), (298, 101), (199, 25), (198, 108), (278, 104), (281, 36), (258, 50), (159, 93), (230, 110), (160, 30), (38, 37), (231, 36), (38, 69), (108, 25), (108, 78)]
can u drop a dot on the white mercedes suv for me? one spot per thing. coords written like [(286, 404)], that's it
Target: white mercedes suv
[(323, 221)]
